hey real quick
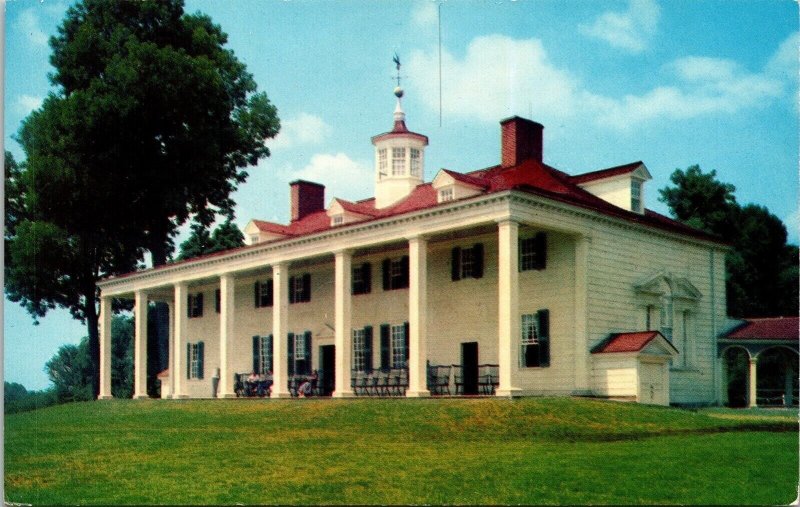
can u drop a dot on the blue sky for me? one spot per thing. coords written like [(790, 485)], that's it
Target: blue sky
[(672, 83)]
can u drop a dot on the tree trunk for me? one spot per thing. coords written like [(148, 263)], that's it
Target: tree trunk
[(90, 312)]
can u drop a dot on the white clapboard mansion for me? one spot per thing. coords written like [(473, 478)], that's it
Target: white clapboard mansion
[(565, 284)]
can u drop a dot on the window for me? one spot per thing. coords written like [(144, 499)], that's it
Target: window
[(217, 300), (395, 273), (648, 318), (446, 194), (382, 162), (362, 278), (263, 294), (194, 306), (262, 354), (535, 340), (399, 346), (253, 239), (194, 360), (398, 161), (416, 165), (362, 349), (685, 356), (337, 220), (636, 196), (666, 316), (467, 262), (533, 253), (300, 288), (299, 353)]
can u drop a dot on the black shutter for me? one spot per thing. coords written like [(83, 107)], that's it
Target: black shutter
[(455, 268), (200, 360), (387, 278), (366, 275), (520, 250), (540, 246), (290, 354), (544, 337), (257, 292), (268, 366), (308, 353), (404, 271), (386, 340), (307, 287), (200, 305), (407, 338), (477, 260), (189, 299), (217, 300), (269, 293), (368, 348), (188, 360), (256, 353), (291, 290)]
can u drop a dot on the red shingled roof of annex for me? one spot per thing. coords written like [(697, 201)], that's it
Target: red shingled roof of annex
[(626, 342), (770, 328), (607, 173)]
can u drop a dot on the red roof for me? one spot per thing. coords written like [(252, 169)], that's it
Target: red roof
[(465, 178), (270, 227), (627, 342), (773, 328), (606, 173)]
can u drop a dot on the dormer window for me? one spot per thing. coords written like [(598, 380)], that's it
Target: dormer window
[(337, 220), (446, 194), (253, 239), (398, 161), (636, 195), (382, 163), (415, 162)]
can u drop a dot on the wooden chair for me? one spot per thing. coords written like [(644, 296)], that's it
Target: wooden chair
[(458, 378)]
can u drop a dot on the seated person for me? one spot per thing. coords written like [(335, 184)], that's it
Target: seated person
[(253, 383), (307, 387)]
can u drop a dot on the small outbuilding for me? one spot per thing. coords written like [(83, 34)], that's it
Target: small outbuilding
[(633, 366)]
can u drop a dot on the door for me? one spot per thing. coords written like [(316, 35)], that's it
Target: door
[(327, 374), (469, 362)]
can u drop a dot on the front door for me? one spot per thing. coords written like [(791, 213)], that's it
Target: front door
[(327, 375), (469, 363)]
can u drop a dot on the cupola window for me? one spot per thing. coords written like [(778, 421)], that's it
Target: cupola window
[(415, 162), (382, 163), (398, 161)]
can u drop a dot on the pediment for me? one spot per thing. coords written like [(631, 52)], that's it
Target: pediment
[(664, 283)]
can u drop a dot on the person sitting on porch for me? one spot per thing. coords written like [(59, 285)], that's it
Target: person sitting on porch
[(255, 384), (307, 387)]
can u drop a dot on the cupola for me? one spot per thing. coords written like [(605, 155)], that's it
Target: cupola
[(399, 157)]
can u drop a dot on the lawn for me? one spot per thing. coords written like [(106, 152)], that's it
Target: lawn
[(486, 451)]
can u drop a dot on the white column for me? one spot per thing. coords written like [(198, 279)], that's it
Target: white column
[(342, 322), (178, 373), (723, 379), (171, 348), (280, 329), (508, 306), (752, 378), (140, 345), (581, 316), (417, 317), (105, 349), (226, 331)]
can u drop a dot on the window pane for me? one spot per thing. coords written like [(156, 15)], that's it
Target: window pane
[(398, 346), (415, 162), (398, 161), (359, 359)]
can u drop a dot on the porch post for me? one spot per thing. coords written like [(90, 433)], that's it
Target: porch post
[(723, 380), (140, 345), (342, 322), (751, 380), (171, 347), (788, 384), (280, 328), (508, 307), (417, 318), (581, 315), (179, 328), (226, 332), (105, 349)]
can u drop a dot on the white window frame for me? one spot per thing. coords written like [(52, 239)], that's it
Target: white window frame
[(686, 359), (398, 161), (297, 288), (358, 278), (337, 219), (636, 195), (359, 349), (529, 337), (467, 262), (194, 363), (446, 194), (264, 355), (382, 163), (416, 161), (667, 317), (196, 307), (398, 342), (527, 254), (299, 348), (254, 239)]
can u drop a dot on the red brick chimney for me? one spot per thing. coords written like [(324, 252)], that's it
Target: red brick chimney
[(520, 140), (306, 198)]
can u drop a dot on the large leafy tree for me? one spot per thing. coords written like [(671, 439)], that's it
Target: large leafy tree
[(152, 120), (762, 268), (200, 242)]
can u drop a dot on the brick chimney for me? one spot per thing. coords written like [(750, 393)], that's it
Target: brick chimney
[(520, 140), (306, 198)]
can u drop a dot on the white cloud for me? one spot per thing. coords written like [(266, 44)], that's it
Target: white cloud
[(425, 15), (630, 30), (28, 23), (500, 76), (27, 103), (342, 176), (784, 63), (793, 225), (302, 130)]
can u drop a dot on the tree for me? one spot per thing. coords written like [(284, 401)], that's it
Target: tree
[(151, 121), (762, 269), (200, 242)]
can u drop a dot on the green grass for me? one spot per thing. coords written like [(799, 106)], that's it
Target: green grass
[(536, 450)]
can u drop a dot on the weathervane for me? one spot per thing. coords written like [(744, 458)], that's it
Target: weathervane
[(397, 91)]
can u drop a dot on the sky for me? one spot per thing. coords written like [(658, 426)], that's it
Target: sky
[(671, 83)]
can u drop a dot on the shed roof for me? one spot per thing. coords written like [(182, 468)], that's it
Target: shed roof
[(770, 328), (629, 342)]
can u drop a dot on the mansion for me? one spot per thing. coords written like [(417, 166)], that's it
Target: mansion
[(562, 284)]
